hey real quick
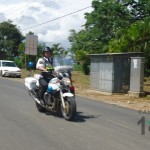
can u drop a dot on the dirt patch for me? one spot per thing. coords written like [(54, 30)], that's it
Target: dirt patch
[(117, 99), (82, 82)]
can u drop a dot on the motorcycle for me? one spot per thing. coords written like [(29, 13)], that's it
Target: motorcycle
[(59, 96)]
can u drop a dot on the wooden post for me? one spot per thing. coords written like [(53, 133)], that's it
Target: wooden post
[(25, 61)]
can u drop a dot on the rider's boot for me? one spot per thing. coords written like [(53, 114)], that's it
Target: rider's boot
[(40, 96)]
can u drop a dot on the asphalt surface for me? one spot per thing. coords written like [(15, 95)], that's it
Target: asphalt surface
[(97, 126)]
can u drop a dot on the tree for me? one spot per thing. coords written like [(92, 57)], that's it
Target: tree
[(58, 53), (72, 35), (57, 50), (114, 26), (10, 38), (139, 9), (80, 46), (104, 22), (135, 39)]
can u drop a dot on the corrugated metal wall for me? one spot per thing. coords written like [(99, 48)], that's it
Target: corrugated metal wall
[(102, 74), (111, 73)]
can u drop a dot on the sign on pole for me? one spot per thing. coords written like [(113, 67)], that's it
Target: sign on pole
[(31, 44)]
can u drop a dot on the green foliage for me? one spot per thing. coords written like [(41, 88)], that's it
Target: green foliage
[(81, 56), (84, 60), (114, 27), (18, 62), (40, 50), (139, 9), (57, 50), (136, 38), (59, 53), (31, 58), (86, 68), (104, 22), (10, 38), (77, 67), (21, 47)]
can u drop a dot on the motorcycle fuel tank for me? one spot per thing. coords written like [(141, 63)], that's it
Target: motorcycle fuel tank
[(52, 87)]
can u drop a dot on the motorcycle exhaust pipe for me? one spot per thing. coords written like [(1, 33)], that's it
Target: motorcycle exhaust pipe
[(35, 99)]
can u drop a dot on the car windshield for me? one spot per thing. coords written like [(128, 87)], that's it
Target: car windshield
[(8, 64)]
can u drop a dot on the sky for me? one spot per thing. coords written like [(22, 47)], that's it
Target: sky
[(29, 14)]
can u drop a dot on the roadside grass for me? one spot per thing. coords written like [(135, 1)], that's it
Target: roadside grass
[(80, 80), (25, 73), (147, 85)]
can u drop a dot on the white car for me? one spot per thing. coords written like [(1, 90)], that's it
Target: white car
[(9, 68)]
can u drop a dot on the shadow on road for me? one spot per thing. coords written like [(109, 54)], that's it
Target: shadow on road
[(55, 114), (82, 118), (79, 117)]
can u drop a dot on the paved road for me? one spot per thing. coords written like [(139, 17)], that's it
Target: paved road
[(97, 126)]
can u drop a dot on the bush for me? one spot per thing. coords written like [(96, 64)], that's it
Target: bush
[(18, 62), (86, 68), (77, 67)]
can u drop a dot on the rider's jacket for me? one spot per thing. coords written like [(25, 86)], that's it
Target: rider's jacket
[(44, 62)]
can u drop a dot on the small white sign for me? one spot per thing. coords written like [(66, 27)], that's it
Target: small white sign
[(135, 63)]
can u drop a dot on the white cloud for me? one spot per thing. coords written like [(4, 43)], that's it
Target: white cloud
[(26, 20), (2, 17), (53, 4), (31, 13)]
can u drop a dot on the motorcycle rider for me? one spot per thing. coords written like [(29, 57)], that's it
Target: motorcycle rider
[(43, 64)]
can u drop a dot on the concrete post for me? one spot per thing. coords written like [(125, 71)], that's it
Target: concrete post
[(136, 77)]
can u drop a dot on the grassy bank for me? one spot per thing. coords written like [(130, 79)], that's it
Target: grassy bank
[(80, 80)]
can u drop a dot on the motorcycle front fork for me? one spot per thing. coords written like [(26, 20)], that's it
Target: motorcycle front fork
[(62, 100)]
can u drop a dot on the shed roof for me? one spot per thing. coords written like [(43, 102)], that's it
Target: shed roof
[(113, 54)]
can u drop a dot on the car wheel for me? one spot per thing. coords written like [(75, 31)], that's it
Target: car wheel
[(1, 73), (19, 76)]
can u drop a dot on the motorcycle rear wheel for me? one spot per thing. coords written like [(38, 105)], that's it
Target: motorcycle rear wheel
[(70, 110)]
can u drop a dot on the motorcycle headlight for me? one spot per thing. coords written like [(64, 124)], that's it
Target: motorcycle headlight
[(66, 81)]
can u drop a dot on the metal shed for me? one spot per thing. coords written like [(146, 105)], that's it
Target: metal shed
[(110, 72)]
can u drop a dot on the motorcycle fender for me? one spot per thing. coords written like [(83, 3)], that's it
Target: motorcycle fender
[(68, 95)]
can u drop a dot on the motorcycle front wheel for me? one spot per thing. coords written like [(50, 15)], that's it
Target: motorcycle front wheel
[(70, 108)]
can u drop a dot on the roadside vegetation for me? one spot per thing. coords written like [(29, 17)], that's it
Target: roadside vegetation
[(80, 80)]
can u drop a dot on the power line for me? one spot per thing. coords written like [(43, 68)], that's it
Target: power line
[(57, 18), (32, 11), (47, 4), (16, 9), (23, 6)]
